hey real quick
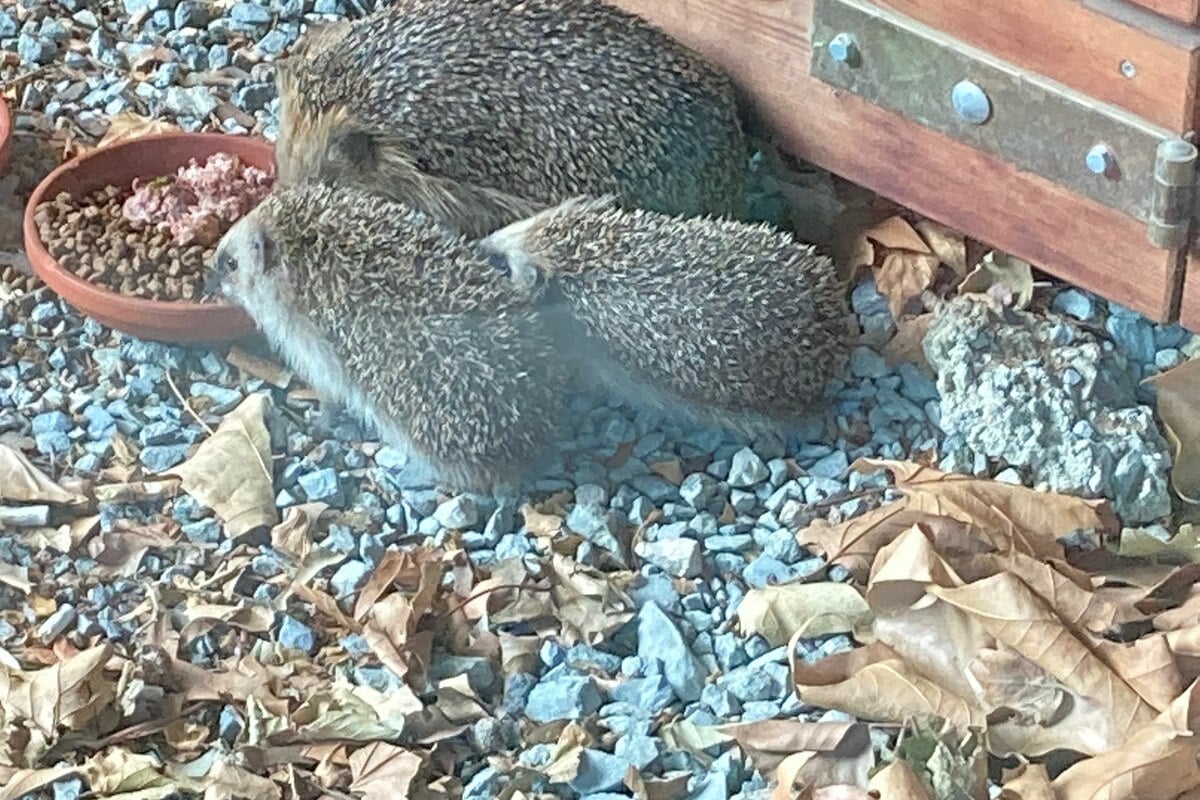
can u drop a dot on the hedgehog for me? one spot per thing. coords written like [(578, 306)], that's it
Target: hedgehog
[(405, 324), (720, 320), (482, 112)]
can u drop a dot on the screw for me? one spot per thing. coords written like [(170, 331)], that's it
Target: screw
[(842, 48), (1100, 160), (1128, 69), (970, 102)]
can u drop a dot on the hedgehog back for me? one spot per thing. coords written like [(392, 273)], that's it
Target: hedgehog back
[(724, 315), (541, 99)]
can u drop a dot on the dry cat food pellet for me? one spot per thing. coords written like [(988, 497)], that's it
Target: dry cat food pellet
[(156, 239)]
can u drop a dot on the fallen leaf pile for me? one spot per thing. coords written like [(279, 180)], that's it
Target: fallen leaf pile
[(242, 716), (1000, 627)]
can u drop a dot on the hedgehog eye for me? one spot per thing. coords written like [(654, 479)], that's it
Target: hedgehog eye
[(358, 147), (266, 252)]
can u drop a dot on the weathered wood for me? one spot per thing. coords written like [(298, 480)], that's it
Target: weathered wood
[(764, 46), (1079, 47), (1183, 10), (1189, 314)]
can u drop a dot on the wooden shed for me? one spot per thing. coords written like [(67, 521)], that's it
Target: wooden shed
[(1056, 130)]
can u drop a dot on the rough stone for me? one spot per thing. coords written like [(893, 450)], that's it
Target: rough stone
[(1001, 374), (658, 637)]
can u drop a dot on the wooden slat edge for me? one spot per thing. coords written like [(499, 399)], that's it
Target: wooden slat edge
[(1189, 315), (1186, 11)]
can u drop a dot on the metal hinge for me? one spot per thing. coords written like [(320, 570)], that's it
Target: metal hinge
[(1092, 148), (1172, 204)]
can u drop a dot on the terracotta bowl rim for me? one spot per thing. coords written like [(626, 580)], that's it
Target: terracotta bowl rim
[(5, 122), (138, 305)]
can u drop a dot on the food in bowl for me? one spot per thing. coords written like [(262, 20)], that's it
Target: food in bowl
[(153, 239)]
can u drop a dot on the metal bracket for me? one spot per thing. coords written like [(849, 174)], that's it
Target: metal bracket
[(1092, 148)]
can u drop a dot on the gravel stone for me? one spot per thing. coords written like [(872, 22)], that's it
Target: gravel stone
[(460, 513), (1074, 303), (658, 637), (747, 469), (561, 694), (678, 557), (295, 635), (349, 578), (57, 623)]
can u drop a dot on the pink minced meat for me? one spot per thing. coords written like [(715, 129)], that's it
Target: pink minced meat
[(201, 201)]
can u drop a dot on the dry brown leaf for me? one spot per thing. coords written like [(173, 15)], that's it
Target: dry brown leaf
[(908, 343), (541, 524), (1158, 759), (22, 482), (1185, 544), (903, 278), (119, 772), (1148, 665), (226, 781), (832, 775), (897, 781), (202, 618), (231, 471), (70, 694), (127, 125), (855, 543), (874, 683), (387, 631), (1012, 613), (962, 513), (1008, 680), (294, 534), (1008, 279), (769, 742), (382, 771), (894, 233), (777, 613), (120, 552), (669, 787), (243, 679), (420, 569), (1028, 782), (1179, 408), (946, 243), (27, 781), (1184, 616)]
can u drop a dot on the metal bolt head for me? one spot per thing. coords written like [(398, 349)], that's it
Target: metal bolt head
[(1100, 160), (842, 48), (970, 102)]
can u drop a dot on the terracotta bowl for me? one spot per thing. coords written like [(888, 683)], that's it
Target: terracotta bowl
[(5, 133), (178, 322)]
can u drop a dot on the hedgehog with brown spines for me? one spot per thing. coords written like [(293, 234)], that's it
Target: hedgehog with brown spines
[(736, 323), (408, 326), (482, 112)]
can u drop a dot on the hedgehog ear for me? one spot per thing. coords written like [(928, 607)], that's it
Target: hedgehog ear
[(358, 147)]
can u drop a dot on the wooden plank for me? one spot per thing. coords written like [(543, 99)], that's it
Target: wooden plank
[(1183, 10), (1189, 315), (1081, 48), (764, 46)]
